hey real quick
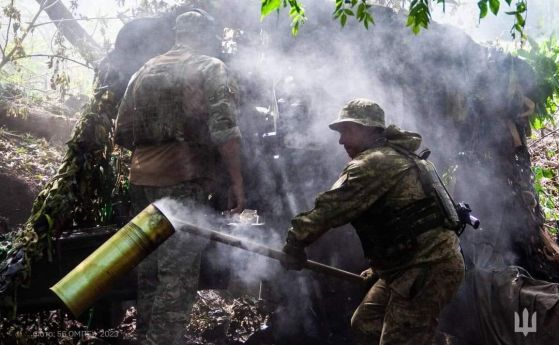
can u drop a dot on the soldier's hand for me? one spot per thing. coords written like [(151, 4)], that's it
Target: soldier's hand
[(370, 277), (295, 255)]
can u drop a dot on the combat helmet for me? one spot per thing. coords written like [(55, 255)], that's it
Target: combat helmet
[(361, 111)]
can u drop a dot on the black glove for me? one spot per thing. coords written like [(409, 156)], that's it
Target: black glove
[(295, 254)]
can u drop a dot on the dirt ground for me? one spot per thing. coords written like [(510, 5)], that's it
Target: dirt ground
[(26, 164), (217, 318)]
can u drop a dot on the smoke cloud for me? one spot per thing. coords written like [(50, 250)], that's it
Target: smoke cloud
[(454, 92)]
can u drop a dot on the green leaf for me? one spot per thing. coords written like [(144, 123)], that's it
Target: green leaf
[(269, 6), (343, 20), (520, 20), (537, 123), (348, 12), (339, 4), (295, 29), (368, 20), (482, 4), (410, 21), (547, 173), (494, 5), (419, 16), (537, 173), (361, 11), (337, 14)]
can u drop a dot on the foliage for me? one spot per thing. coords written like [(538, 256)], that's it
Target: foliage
[(548, 192), (29, 158), (60, 80), (12, 48), (520, 11), (19, 44), (296, 11), (81, 189), (419, 12), (149, 7), (344, 10), (544, 59)]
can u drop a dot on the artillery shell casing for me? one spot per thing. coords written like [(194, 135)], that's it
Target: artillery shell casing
[(79, 289)]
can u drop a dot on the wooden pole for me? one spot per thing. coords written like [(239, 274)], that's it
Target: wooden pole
[(268, 252)]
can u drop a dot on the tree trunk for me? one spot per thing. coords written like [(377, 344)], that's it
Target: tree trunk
[(38, 122), (73, 31)]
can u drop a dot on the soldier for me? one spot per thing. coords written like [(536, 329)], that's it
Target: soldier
[(405, 220), (178, 116)]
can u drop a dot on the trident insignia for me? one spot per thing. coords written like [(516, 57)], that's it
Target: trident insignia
[(525, 328)]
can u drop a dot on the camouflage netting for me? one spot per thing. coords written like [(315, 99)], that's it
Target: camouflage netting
[(82, 192)]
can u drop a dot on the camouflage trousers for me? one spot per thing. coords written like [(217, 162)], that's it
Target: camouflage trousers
[(406, 310), (168, 277)]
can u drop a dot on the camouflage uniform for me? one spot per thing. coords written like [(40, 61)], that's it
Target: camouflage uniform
[(168, 278), (188, 102), (417, 278)]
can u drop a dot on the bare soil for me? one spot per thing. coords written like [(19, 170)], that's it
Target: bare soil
[(26, 164)]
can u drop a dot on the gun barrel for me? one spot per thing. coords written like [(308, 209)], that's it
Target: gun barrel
[(268, 252), (474, 222)]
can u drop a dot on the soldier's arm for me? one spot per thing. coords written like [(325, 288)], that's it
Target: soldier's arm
[(230, 152), (123, 134), (221, 91), (357, 189)]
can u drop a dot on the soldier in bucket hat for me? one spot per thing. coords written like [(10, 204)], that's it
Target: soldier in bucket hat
[(405, 226)]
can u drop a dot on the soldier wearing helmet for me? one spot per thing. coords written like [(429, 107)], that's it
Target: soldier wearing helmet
[(179, 118), (405, 220)]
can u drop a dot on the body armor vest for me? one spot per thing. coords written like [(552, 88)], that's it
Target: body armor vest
[(388, 236), (157, 95)]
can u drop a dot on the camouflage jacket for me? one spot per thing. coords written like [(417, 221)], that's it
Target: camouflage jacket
[(179, 96), (379, 180)]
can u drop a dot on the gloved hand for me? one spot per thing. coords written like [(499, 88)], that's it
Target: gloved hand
[(370, 277), (296, 255)]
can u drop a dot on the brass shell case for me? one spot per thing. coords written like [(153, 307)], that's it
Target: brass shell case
[(117, 256)]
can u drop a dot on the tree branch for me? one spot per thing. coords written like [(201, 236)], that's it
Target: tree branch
[(73, 32), (56, 56), (8, 56), (77, 19), (8, 30)]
